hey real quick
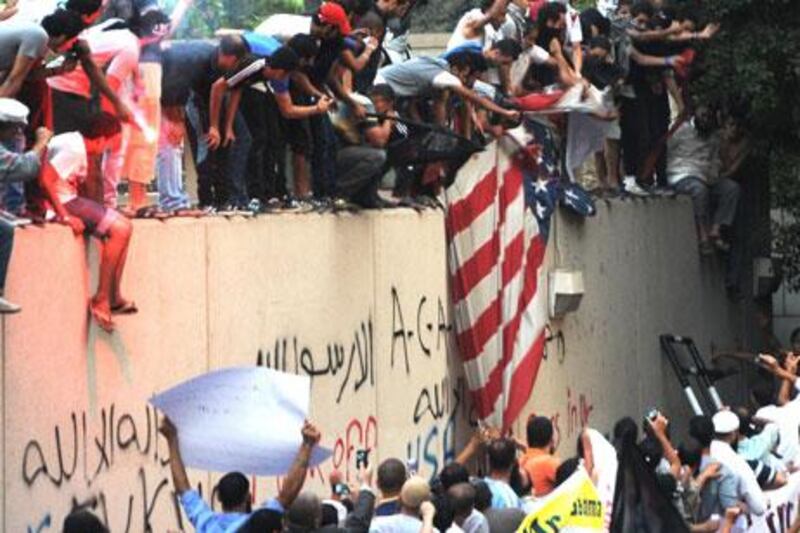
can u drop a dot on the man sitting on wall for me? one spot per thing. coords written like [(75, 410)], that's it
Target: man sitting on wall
[(694, 168), (65, 172), (233, 489)]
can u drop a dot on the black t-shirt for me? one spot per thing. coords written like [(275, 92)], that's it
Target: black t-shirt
[(189, 66)]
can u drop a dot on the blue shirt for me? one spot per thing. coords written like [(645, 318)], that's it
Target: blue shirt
[(503, 496), (261, 45), (468, 46), (205, 520)]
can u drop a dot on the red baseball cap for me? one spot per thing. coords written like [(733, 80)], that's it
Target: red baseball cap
[(334, 14)]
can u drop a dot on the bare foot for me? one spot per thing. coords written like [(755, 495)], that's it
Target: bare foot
[(102, 314)]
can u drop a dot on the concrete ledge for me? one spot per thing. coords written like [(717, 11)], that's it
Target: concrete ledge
[(358, 301)]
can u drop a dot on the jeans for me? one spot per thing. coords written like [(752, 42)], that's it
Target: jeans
[(6, 244), (360, 169), (724, 193), (236, 164), (169, 166), (220, 173)]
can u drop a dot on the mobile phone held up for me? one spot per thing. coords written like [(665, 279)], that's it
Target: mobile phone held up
[(362, 458)]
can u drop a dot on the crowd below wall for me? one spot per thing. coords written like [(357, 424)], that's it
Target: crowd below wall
[(256, 93)]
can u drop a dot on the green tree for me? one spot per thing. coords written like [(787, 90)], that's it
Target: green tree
[(751, 69)]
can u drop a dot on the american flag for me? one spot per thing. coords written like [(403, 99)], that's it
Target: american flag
[(496, 255)]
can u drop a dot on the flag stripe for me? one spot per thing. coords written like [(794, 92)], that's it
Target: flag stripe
[(495, 258), (482, 197)]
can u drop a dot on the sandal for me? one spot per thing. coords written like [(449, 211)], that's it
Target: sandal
[(125, 308)]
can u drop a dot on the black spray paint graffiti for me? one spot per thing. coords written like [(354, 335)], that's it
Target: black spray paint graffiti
[(426, 328), (353, 362), (78, 459)]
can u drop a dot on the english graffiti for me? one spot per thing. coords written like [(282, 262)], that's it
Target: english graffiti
[(438, 411), (431, 333), (79, 455)]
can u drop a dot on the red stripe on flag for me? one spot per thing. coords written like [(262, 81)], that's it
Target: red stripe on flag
[(534, 259), (472, 340), (494, 384), (522, 381), (512, 261), (464, 212), (512, 186), (476, 268)]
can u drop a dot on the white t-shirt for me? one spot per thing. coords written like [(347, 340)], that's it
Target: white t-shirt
[(487, 36), (607, 7), (114, 51), (574, 31), (284, 27), (535, 55), (398, 523), (66, 153)]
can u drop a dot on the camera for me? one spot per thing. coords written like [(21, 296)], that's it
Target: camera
[(652, 414)]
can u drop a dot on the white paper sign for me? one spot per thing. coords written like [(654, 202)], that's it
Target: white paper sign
[(240, 419)]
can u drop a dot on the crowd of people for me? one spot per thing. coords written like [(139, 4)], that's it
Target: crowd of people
[(335, 100), (718, 474)]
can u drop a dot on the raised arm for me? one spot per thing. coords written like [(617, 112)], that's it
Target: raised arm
[(659, 429), (474, 27), (296, 476), (788, 374), (179, 477), (357, 64)]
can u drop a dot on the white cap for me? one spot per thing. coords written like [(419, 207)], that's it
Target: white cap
[(13, 111), (725, 422)]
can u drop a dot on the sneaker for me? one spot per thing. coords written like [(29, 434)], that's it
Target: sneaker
[(630, 186), (8, 308), (255, 206)]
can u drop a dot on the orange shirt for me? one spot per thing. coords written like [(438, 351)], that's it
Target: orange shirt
[(541, 468)]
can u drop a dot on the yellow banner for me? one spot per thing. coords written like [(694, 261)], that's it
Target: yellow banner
[(573, 507)]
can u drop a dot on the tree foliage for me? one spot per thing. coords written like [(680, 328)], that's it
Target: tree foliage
[(751, 70)]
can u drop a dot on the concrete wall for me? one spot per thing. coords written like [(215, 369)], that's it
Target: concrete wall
[(357, 301)]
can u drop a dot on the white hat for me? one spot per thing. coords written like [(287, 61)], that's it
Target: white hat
[(725, 422), (13, 111)]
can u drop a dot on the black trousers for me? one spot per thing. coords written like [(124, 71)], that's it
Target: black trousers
[(266, 164), (644, 122)]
